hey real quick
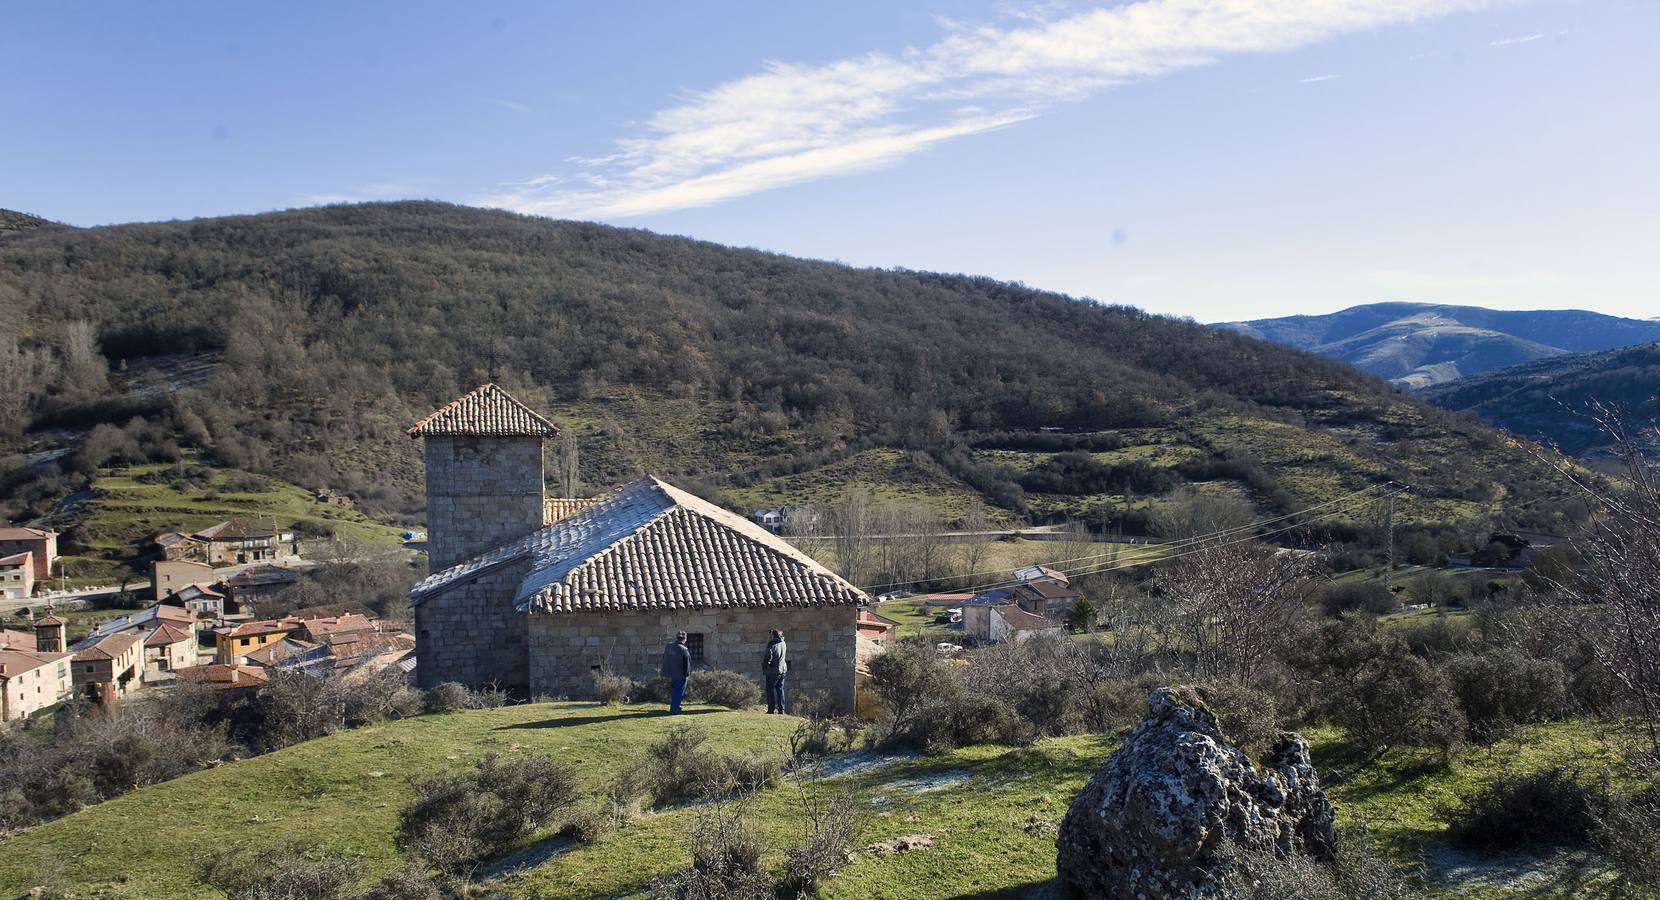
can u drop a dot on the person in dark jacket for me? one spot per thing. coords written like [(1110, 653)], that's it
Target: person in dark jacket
[(677, 667), (774, 666)]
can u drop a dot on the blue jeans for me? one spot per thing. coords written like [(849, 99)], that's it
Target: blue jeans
[(677, 693), (775, 693)]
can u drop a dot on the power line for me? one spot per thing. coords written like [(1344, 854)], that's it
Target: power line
[(1165, 545), (1156, 552)]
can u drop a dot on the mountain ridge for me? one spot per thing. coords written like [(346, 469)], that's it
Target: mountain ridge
[(1417, 345)]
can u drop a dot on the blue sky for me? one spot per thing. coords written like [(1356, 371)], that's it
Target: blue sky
[(1215, 158)]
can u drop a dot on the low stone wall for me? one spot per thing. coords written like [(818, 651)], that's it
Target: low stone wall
[(565, 648)]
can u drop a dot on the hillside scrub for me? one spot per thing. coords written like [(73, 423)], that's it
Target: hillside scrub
[(353, 321), (457, 821)]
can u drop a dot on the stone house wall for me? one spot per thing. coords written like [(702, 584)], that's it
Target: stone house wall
[(482, 492), (566, 647), (472, 634)]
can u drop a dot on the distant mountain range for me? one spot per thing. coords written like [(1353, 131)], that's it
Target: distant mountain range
[(1549, 399), (1417, 345)]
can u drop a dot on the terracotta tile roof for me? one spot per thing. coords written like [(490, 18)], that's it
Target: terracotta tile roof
[(222, 676), (16, 662), (190, 591), (109, 647), (275, 653), (12, 639), (1020, 620), (19, 533), (50, 620), (320, 629), (168, 633), (263, 626), (331, 610), (239, 528), (485, 410), (1042, 572), (868, 617), (1049, 590), (18, 559), (555, 509), (650, 545), (257, 576)]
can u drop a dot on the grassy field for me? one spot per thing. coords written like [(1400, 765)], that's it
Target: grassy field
[(128, 505), (986, 807)]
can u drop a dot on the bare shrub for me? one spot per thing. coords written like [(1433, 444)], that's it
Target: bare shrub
[(677, 769), (1555, 807), (457, 821), (291, 870), (1248, 717), (1629, 837), (723, 688), (829, 824), (613, 690), (1501, 689), (726, 857), (452, 696), (407, 883), (1353, 871)]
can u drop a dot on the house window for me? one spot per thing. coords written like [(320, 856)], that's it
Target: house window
[(694, 643)]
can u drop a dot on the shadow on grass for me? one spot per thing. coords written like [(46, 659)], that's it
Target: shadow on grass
[(1051, 889), (606, 717)]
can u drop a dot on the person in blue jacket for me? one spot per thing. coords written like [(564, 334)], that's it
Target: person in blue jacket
[(677, 667)]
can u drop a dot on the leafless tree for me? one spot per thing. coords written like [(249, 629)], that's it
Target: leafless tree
[(848, 522), (1236, 603), (1613, 599), (1189, 513)]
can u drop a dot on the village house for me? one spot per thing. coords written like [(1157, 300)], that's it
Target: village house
[(31, 681), (17, 576), (993, 617), (237, 643), (876, 634), (169, 576), (787, 519), (177, 545), (109, 668), (168, 649), (537, 609), (257, 584), (140, 623), (1047, 598), (38, 541), (1040, 573), (248, 540), (12, 639), (205, 602)]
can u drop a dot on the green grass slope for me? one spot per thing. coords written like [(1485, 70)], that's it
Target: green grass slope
[(984, 806)]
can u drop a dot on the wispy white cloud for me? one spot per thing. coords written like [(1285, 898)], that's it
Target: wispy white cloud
[(1318, 78), (789, 123), (1505, 42), (508, 104)]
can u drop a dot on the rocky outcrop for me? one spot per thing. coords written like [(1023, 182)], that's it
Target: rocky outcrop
[(1169, 811)]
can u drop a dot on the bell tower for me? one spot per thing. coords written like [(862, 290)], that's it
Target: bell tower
[(484, 474)]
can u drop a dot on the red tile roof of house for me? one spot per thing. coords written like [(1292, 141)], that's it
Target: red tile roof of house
[(262, 626), (110, 647), (485, 410), (167, 633), (12, 639), (239, 528), (866, 617), (322, 628), (18, 559), (1049, 590), (19, 533), (223, 676), (1021, 620), (50, 620), (16, 662), (331, 610)]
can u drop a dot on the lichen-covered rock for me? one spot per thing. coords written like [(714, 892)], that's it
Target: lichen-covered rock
[(1168, 811)]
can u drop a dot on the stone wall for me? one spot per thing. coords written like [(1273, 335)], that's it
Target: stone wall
[(482, 492), (566, 647), (472, 634)]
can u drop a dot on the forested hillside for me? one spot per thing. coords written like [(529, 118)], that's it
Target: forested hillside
[(1551, 399), (301, 344)]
